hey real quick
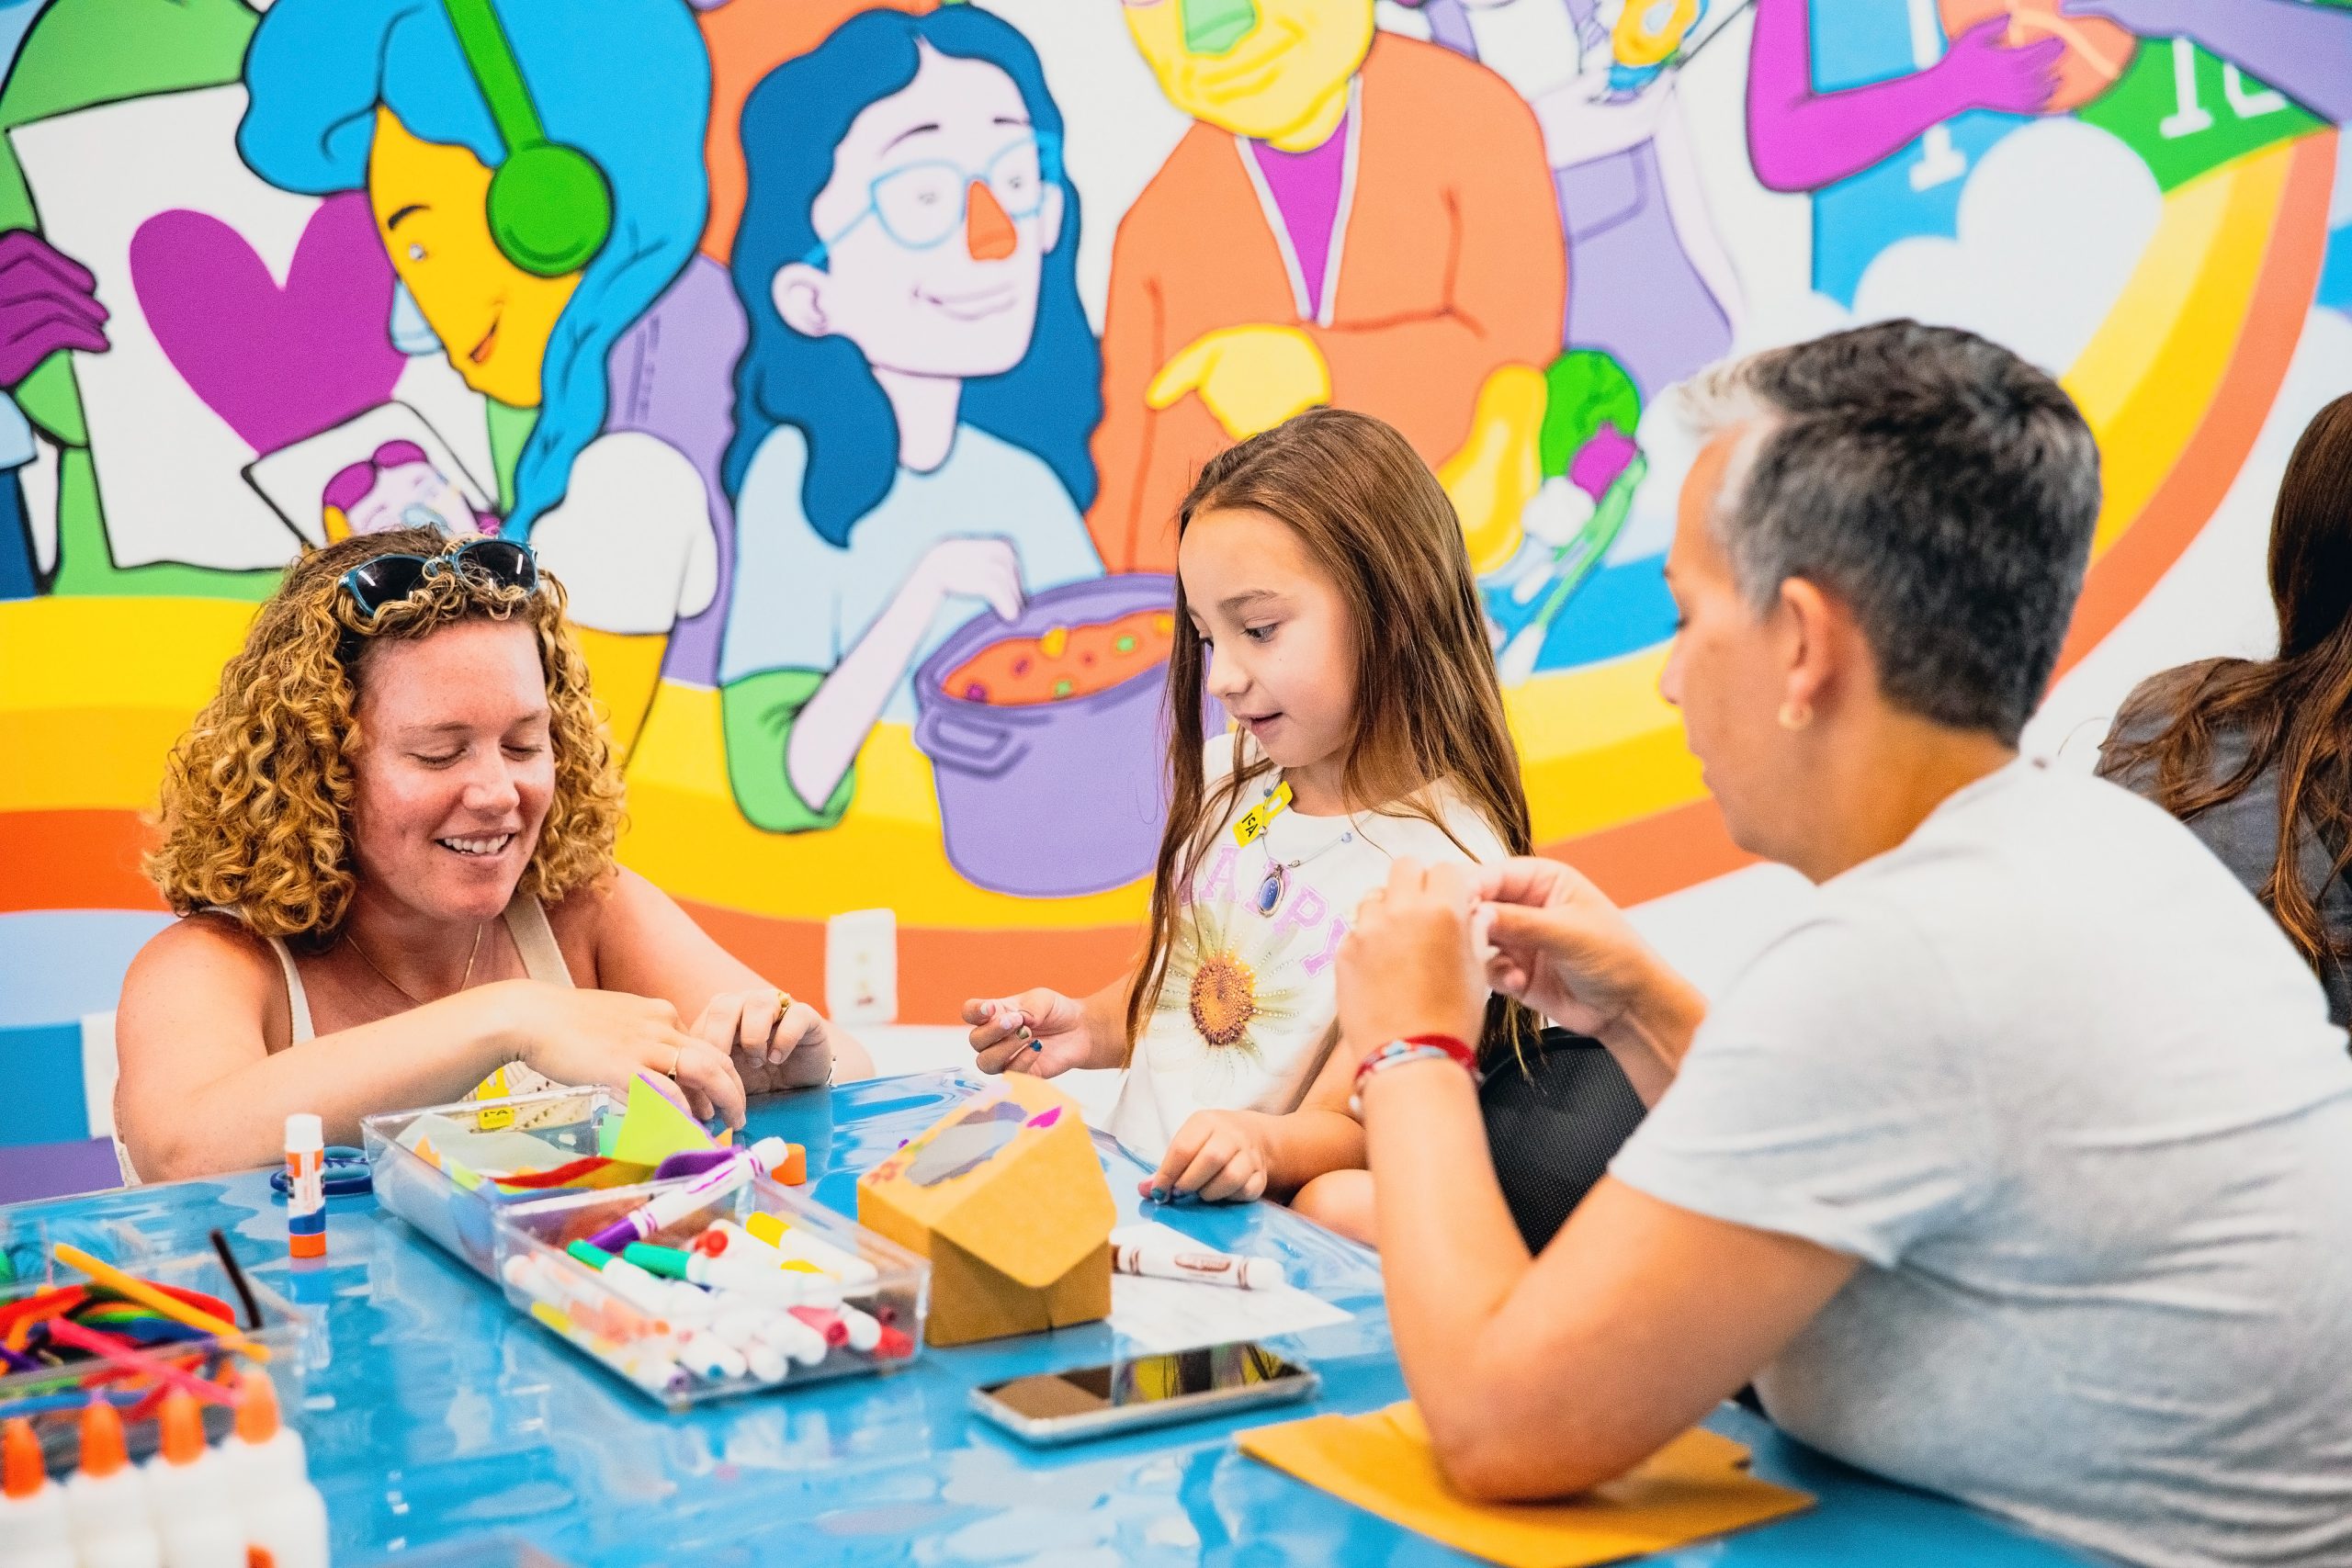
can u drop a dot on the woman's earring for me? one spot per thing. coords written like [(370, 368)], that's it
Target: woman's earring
[(1795, 715)]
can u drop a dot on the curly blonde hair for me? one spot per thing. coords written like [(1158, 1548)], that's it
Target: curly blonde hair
[(257, 796)]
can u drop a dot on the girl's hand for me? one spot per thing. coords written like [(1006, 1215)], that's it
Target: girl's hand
[(774, 1041), (1218, 1156), (578, 1036), (1040, 1033)]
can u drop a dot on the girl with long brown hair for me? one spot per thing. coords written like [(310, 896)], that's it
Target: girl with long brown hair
[(1324, 599), (2256, 754)]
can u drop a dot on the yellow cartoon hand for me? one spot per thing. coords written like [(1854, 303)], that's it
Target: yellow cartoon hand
[(1251, 377), (1498, 469)]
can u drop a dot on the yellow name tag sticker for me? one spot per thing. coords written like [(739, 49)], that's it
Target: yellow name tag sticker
[(1254, 822)]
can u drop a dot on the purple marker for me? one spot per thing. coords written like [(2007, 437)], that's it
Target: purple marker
[(668, 1208), (691, 1162)]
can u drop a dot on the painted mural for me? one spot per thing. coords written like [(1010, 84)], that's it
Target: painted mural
[(847, 360)]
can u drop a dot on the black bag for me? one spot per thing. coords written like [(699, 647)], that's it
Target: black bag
[(1552, 1125)]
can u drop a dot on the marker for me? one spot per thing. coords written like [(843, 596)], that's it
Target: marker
[(186, 1485), (284, 1515), (549, 1285), (753, 1329), (34, 1531), (306, 1191), (629, 1282), (772, 1287), (666, 1209), (106, 1507), (804, 1245), (712, 1358), (1160, 1258)]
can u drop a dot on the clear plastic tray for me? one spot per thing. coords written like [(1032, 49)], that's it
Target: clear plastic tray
[(625, 1336), (455, 1214), (52, 1399)]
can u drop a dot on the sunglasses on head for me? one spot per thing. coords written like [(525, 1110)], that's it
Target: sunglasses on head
[(387, 580)]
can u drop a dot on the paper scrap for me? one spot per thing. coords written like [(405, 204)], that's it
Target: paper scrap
[(1696, 1487)]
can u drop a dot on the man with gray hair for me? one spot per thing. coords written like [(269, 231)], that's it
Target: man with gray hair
[(2020, 1167)]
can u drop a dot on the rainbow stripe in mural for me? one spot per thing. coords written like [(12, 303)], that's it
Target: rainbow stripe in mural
[(2175, 383)]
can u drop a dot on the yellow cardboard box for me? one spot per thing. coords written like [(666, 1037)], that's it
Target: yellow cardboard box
[(1007, 1199)]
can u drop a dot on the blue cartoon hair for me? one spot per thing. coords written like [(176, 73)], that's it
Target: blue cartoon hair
[(625, 81), (1048, 404)]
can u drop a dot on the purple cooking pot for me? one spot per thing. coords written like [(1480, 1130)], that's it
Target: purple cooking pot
[(1051, 799)]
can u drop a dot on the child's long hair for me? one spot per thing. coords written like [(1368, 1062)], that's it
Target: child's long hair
[(1428, 706)]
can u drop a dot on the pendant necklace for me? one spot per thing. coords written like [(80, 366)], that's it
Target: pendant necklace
[(472, 953), (1274, 886)]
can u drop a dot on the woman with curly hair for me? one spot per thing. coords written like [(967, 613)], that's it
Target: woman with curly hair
[(392, 837)]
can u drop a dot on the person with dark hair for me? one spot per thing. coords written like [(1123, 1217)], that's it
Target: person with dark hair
[(2016, 1169), (2256, 754), (911, 413)]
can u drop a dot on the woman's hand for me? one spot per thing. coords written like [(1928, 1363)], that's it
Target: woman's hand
[(579, 1036), (1219, 1156), (1040, 1033), (1562, 947), (774, 1041), (1413, 963)]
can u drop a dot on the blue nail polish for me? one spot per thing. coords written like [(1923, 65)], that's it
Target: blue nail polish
[(1158, 1196), (1036, 1045)]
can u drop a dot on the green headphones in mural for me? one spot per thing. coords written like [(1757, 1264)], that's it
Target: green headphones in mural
[(550, 209)]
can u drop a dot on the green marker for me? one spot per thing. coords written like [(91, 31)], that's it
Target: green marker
[(594, 1257), (666, 1261)]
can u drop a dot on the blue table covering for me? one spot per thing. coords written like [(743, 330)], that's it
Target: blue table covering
[(437, 1416)]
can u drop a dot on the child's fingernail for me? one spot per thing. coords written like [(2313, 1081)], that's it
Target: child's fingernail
[(1158, 1196), (1036, 1045)]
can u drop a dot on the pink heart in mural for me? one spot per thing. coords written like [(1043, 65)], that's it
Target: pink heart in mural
[(278, 364)]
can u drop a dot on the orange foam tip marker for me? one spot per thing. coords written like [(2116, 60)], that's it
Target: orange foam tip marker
[(22, 1471), (258, 1411), (102, 1448), (182, 1428), (794, 1171)]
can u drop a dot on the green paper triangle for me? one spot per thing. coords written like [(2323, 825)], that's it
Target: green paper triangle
[(653, 1128)]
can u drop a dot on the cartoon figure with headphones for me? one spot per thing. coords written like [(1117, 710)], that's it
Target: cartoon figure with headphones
[(535, 169)]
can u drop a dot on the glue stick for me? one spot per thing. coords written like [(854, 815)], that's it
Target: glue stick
[(282, 1513), (33, 1529), (306, 1192), (105, 1505), (195, 1514)]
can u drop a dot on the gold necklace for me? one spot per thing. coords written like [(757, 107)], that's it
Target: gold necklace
[(413, 1000)]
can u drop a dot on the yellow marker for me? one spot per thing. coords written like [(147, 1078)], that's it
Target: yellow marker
[(147, 1295), (1254, 822)]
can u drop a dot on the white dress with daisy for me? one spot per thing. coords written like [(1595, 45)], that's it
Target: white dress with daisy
[(1250, 993)]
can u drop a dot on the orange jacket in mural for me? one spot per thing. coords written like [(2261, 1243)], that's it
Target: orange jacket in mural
[(1451, 265)]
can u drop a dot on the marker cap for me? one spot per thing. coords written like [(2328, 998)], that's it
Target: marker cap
[(304, 1132)]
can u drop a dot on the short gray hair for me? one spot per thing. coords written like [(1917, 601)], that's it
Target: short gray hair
[(1942, 487)]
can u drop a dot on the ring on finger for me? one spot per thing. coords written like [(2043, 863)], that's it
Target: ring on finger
[(783, 1006)]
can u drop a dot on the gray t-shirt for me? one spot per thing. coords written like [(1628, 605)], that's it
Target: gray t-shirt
[(2074, 1102)]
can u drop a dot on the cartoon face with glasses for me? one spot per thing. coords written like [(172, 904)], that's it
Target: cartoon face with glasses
[(944, 203)]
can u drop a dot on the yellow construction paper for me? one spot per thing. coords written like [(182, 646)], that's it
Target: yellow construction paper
[(653, 1128), (1695, 1487)]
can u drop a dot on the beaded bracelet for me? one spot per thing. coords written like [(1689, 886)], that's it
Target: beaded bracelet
[(1421, 1047)]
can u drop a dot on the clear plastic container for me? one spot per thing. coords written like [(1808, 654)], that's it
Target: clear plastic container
[(52, 1398), (666, 1349), (446, 1201)]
